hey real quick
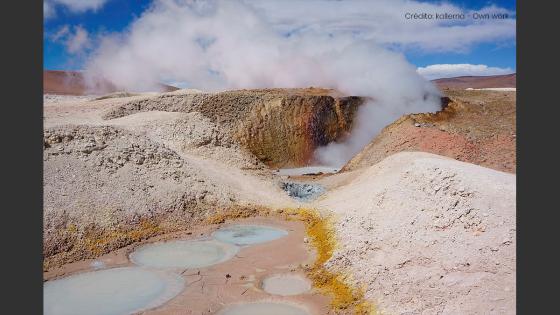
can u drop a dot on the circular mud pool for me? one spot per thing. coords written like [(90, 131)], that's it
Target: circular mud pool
[(112, 291), (263, 308), (286, 284), (248, 234), (183, 254)]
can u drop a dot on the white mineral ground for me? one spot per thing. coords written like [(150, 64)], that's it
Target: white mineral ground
[(494, 89), (425, 234)]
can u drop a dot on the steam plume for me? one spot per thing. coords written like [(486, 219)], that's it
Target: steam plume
[(215, 45)]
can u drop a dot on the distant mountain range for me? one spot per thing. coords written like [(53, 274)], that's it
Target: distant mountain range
[(73, 83), (477, 82)]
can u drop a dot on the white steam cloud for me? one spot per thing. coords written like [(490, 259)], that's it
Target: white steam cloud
[(75, 39), (217, 45)]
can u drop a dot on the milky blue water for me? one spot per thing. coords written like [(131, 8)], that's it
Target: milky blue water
[(248, 234), (263, 308), (111, 291), (286, 284), (183, 254), (97, 264)]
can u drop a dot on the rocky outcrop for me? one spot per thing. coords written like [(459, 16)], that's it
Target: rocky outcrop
[(282, 127), (286, 131)]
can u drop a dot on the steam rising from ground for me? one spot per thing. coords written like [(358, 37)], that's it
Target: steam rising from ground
[(230, 45)]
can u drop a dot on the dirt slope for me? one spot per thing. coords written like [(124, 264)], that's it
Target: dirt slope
[(427, 235), (476, 127)]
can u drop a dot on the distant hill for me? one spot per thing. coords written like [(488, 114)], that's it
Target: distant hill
[(73, 83), (477, 82)]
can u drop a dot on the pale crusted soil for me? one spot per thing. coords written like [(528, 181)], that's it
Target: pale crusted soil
[(423, 233), (427, 235), (111, 182)]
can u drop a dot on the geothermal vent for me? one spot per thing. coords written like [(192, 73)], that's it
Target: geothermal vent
[(282, 127)]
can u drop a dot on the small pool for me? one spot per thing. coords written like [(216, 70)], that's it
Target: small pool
[(303, 191), (248, 234), (263, 308), (183, 254), (286, 284), (111, 291)]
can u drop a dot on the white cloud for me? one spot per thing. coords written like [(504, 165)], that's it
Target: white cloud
[(385, 22), (81, 5), (78, 41), (61, 33), (75, 6), (456, 70), (75, 39), (48, 10)]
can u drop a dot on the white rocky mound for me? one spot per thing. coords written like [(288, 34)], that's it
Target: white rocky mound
[(428, 235)]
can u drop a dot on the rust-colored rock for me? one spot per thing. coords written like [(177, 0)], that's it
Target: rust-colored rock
[(285, 131), (476, 127)]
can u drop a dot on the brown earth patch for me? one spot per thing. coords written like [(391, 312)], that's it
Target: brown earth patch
[(476, 127)]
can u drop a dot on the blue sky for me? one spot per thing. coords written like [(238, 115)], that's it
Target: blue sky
[(503, 56), (114, 16)]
